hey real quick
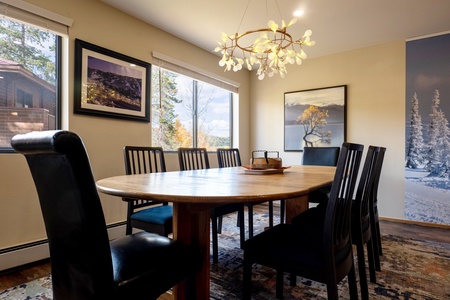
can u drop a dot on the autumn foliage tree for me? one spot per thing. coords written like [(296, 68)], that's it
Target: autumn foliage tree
[(314, 121)]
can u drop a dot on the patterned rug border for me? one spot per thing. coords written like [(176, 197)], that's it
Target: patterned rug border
[(400, 277)]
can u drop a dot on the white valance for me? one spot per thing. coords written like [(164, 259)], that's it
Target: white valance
[(180, 67), (35, 16)]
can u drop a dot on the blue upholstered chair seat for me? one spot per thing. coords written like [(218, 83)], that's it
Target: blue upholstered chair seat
[(158, 215)]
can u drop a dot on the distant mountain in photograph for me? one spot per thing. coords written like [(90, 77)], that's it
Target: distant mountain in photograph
[(113, 90)]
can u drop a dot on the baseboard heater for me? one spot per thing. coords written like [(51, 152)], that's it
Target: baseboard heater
[(13, 257)]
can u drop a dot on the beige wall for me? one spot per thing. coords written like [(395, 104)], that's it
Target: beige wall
[(375, 79), (94, 22)]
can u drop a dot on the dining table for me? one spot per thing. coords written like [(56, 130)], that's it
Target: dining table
[(194, 193)]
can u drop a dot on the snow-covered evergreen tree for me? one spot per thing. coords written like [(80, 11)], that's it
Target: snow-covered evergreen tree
[(434, 142), (414, 147), (442, 169)]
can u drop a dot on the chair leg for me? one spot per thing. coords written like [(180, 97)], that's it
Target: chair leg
[(371, 259), (292, 279), (332, 291), (380, 249), (362, 272), (241, 227), (128, 229), (219, 227), (270, 214), (190, 289), (282, 211), (376, 247), (247, 280), (279, 285), (215, 240), (352, 283), (238, 219), (250, 221)]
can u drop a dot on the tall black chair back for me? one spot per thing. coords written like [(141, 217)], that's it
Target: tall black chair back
[(361, 229), (321, 156), (228, 157), (154, 218), (337, 231), (373, 208), (73, 216), (142, 160), (193, 159)]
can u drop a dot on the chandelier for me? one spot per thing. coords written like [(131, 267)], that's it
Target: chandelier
[(272, 50)]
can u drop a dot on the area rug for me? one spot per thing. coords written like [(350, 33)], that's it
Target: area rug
[(411, 269)]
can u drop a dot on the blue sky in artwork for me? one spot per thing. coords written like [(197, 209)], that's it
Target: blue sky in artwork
[(107, 66), (428, 69)]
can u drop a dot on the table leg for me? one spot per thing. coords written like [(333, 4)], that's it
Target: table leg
[(191, 226), (295, 206)]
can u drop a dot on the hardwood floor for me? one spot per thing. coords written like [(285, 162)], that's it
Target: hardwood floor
[(406, 229), (22, 274)]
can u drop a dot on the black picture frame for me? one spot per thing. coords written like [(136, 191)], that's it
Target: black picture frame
[(110, 84), (329, 103)]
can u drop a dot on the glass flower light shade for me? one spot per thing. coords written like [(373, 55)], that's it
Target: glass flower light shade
[(272, 50)]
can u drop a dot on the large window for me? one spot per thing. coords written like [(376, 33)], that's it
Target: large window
[(189, 113), (29, 80)]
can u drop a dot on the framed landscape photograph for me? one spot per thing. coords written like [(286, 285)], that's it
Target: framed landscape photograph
[(315, 118), (110, 84)]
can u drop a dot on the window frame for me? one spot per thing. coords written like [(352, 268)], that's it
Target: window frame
[(58, 82), (195, 81)]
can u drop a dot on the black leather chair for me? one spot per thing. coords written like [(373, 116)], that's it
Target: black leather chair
[(195, 159), (324, 255), (147, 215), (85, 265), (373, 209)]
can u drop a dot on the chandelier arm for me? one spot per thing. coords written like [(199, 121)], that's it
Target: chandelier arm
[(283, 32)]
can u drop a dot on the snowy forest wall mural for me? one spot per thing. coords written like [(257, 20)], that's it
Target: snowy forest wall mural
[(427, 151)]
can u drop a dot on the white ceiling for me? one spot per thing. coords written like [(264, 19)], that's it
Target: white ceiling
[(337, 25)]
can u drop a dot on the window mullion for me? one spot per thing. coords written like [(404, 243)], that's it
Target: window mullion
[(194, 115)]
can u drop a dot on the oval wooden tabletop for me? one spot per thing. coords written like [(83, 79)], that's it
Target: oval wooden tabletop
[(220, 185)]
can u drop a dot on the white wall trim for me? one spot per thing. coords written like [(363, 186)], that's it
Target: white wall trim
[(31, 254)]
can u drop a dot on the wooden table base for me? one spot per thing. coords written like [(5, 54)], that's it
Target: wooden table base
[(193, 228)]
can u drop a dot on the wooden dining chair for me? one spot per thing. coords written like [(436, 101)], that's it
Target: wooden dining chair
[(324, 255), (361, 232), (151, 216), (361, 227), (230, 157), (373, 207), (197, 158), (84, 264)]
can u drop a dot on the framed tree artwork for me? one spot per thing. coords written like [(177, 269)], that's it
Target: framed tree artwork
[(315, 118), (110, 84)]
